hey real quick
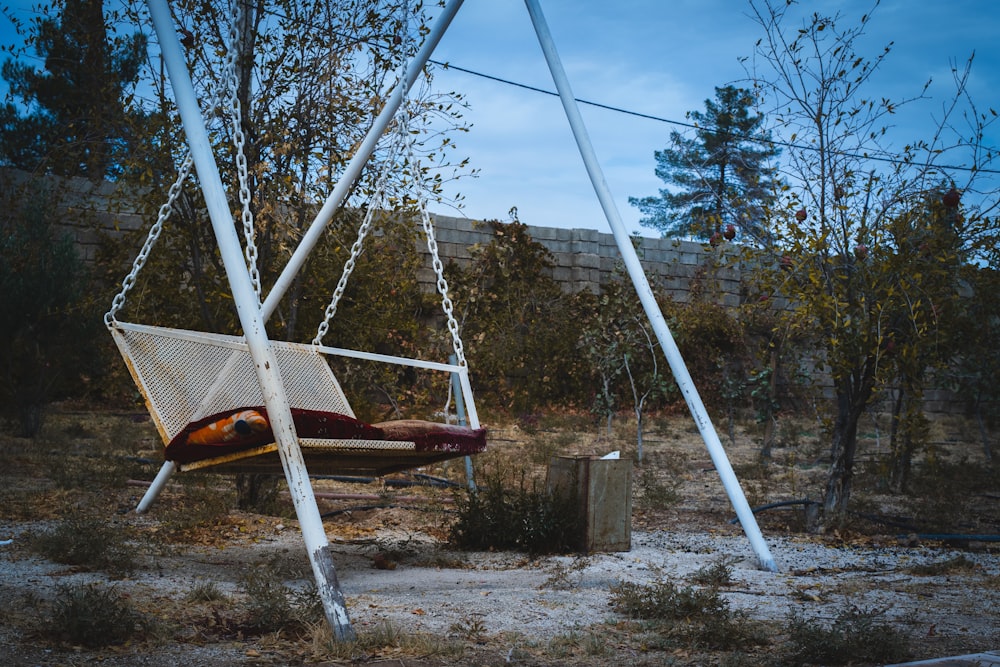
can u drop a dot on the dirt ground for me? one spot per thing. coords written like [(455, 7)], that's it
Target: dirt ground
[(414, 600)]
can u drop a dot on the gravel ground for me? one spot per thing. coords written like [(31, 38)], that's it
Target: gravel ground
[(443, 592)]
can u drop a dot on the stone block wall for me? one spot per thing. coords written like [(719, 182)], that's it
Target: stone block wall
[(584, 258)]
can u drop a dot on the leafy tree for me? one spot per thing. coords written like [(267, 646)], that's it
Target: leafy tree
[(309, 78), (719, 180), (72, 117), (841, 227), (975, 365), (621, 350), (45, 337), (921, 308), (519, 328)]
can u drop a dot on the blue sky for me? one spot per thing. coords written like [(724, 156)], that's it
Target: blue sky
[(657, 57), (663, 59)]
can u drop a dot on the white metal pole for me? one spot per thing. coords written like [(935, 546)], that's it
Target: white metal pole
[(248, 309), (167, 471), (459, 391), (635, 270), (357, 163)]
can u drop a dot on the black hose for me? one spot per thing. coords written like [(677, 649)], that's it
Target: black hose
[(938, 537)]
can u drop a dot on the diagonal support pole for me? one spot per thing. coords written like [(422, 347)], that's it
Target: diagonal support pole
[(649, 304), (252, 322)]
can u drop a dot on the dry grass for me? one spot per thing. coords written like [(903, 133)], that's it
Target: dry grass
[(71, 483)]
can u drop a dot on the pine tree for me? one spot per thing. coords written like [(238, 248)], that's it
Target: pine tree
[(716, 179), (71, 119)]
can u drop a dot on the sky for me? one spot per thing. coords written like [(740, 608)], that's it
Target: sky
[(661, 58), (657, 57)]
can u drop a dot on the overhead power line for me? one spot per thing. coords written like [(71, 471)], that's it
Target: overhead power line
[(660, 119), (887, 159)]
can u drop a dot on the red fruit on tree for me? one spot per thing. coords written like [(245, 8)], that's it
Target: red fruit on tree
[(730, 232), (861, 251), (787, 263), (952, 198), (716, 239), (801, 215)]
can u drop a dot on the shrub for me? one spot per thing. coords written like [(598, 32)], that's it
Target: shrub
[(856, 635), (688, 616), (273, 607), (88, 542), (45, 337), (520, 518), (92, 615)]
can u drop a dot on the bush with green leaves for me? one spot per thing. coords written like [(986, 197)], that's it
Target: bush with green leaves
[(687, 616), (46, 333), (93, 615), (523, 517), (520, 329), (89, 542), (274, 607), (856, 636)]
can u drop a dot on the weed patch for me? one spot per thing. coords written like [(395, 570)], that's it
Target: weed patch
[(273, 607), (87, 542), (855, 636), (688, 616), (521, 518), (93, 616)]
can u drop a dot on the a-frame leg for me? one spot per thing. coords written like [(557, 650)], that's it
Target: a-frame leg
[(248, 308), (159, 482)]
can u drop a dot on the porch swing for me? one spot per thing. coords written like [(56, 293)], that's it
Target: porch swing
[(202, 389)]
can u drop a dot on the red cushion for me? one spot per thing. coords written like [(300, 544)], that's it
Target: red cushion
[(428, 436)]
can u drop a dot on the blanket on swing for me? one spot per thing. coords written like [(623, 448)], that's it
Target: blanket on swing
[(248, 427)]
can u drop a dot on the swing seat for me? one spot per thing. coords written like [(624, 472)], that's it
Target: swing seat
[(199, 386)]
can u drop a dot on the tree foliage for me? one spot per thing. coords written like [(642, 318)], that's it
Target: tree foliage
[(46, 336), (309, 79), (847, 220), (73, 116), (519, 328), (621, 351), (720, 179)]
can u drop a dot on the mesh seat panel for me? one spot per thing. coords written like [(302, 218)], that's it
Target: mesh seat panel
[(186, 375)]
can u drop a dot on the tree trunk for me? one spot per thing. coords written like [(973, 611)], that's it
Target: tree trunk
[(983, 435), (638, 432), (903, 442), (842, 453), (770, 420), (256, 492)]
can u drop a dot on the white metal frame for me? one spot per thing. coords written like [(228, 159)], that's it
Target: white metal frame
[(253, 314)]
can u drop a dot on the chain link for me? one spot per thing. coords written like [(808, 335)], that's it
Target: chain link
[(407, 139), (239, 141), (442, 285), (376, 202), (227, 86), (154, 234), (436, 264)]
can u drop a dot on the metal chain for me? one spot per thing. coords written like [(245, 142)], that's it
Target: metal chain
[(442, 283), (231, 84), (375, 203), (227, 85), (154, 234)]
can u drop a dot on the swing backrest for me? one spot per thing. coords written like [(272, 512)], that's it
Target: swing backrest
[(187, 375)]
